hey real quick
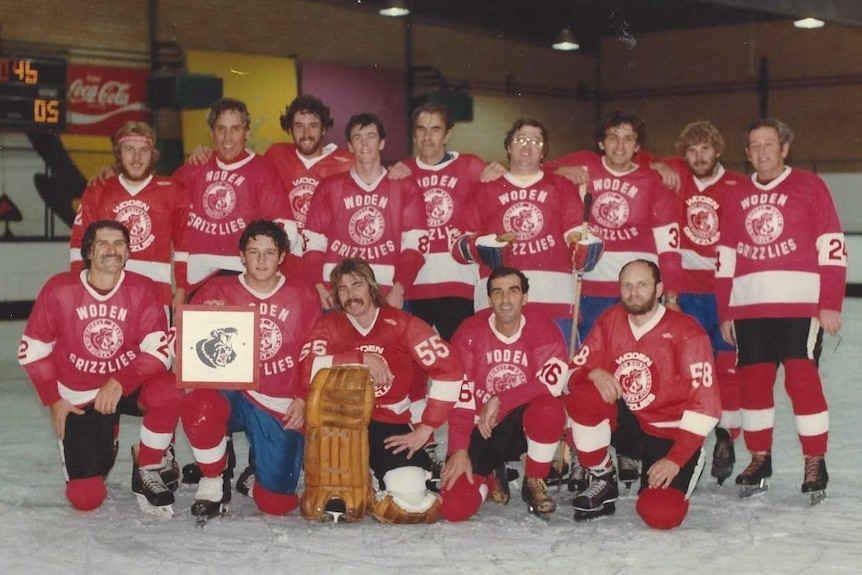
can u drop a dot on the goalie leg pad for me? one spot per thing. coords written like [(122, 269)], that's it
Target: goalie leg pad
[(338, 410), (406, 500)]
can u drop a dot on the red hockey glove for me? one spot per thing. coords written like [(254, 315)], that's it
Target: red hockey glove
[(490, 249)]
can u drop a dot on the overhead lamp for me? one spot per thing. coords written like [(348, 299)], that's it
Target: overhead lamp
[(566, 41), (394, 9), (809, 23)]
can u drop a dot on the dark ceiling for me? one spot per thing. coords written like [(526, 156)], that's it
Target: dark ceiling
[(540, 21)]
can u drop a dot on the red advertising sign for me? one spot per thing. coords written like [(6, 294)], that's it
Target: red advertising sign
[(101, 99)]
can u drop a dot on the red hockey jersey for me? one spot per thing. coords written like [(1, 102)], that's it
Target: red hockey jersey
[(666, 371), (530, 363), (635, 215), (155, 212), (76, 338), (782, 252), (447, 189), (382, 223), (286, 315), (403, 342), (301, 175), (541, 214)]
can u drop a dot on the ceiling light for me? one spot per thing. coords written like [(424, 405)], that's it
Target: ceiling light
[(566, 41), (394, 9), (809, 23)]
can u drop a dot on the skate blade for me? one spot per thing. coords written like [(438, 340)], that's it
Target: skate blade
[(746, 491), (607, 509), (166, 511), (609, 502), (202, 520), (815, 497)]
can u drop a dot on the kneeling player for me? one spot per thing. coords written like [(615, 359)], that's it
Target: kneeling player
[(660, 363), (365, 330), (273, 416), (106, 321), (515, 364)]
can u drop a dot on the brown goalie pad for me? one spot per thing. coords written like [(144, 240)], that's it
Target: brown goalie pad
[(337, 414)]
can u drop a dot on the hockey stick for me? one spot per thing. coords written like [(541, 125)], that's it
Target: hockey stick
[(578, 276)]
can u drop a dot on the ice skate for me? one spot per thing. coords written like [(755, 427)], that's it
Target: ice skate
[(150, 490), (816, 478), (599, 498), (723, 456), (579, 478), (245, 481), (335, 509), (630, 471), (212, 498), (500, 487), (753, 479), (560, 467), (192, 473), (534, 492), (435, 468), (171, 471)]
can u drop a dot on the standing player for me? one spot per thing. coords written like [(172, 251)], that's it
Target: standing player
[(365, 330), (362, 213), (516, 366), (109, 322), (305, 162), (632, 212), (442, 294), (232, 188), (273, 416), (542, 210), (780, 275), (660, 363), (704, 183), (153, 208)]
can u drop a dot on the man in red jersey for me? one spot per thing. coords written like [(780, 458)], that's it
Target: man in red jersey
[(365, 330), (96, 346), (304, 163), (780, 275), (363, 213), (232, 188), (153, 208), (516, 367), (272, 416), (659, 362), (704, 184)]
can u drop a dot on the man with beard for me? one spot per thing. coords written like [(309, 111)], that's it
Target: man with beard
[(153, 208), (305, 162), (390, 342), (704, 184), (96, 346), (660, 363)]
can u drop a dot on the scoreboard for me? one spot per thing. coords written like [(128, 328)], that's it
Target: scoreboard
[(32, 93)]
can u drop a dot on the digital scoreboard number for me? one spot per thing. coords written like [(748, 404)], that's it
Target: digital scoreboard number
[(32, 93)]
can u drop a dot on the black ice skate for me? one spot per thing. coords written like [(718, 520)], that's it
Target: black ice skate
[(336, 509), (723, 456), (560, 467), (534, 492), (630, 471), (212, 498), (150, 490), (170, 472), (245, 481), (435, 467), (816, 478), (599, 498), (753, 479)]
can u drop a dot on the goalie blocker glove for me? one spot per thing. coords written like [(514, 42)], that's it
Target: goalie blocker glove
[(490, 249), (585, 253)]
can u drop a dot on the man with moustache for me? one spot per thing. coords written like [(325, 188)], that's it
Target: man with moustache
[(153, 208)]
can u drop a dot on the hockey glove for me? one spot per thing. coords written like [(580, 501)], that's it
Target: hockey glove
[(490, 249), (586, 253)]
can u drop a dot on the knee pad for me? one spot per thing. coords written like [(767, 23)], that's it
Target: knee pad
[(662, 508), (273, 503), (406, 499), (86, 494), (205, 413), (463, 500)]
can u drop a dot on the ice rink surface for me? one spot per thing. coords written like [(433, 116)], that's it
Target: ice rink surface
[(773, 533)]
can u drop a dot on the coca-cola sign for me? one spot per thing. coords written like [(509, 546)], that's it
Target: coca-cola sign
[(101, 99)]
